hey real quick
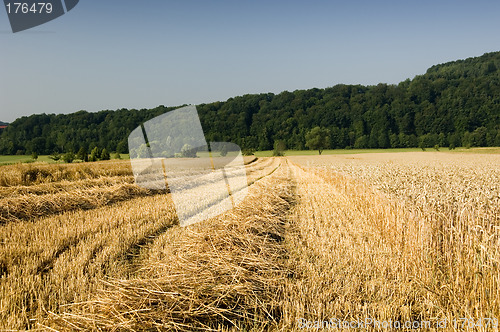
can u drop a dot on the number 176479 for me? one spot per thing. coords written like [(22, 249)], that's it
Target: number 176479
[(26, 8)]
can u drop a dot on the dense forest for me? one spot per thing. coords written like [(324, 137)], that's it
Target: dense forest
[(452, 104)]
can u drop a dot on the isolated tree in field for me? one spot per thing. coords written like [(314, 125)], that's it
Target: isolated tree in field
[(248, 152), (318, 139), (34, 155)]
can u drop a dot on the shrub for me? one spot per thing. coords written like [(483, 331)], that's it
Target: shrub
[(279, 148), (105, 155), (94, 155), (187, 151), (55, 157), (82, 154), (248, 152), (69, 157)]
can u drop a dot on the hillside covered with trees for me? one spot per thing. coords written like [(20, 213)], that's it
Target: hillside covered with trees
[(452, 104)]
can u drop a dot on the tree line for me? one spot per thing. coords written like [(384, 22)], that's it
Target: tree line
[(453, 104)]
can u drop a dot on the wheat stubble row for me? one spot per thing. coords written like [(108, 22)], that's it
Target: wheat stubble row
[(59, 259), (222, 273), (44, 196)]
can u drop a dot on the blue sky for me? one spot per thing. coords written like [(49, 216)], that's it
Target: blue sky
[(141, 54)]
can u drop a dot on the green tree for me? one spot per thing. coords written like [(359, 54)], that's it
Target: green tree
[(34, 155), (82, 154), (362, 142), (61, 140), (248, 152), (105, 155), (187, 151), (394, 141), (223, 150), (122, 147), (37, 145), (69, 157), (94, 154), (478, 137), (318, 138), (279, 148), (454, 140)]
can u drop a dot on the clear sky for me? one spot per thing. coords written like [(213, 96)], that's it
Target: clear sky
[(141, 54)]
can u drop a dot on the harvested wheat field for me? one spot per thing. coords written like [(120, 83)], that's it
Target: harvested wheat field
[(319, 241)]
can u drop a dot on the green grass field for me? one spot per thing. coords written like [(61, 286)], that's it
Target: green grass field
[(5, 160), (330, 152), (358, 151), (8, 160)]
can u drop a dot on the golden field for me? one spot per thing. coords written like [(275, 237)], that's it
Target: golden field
[(391, 237)]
